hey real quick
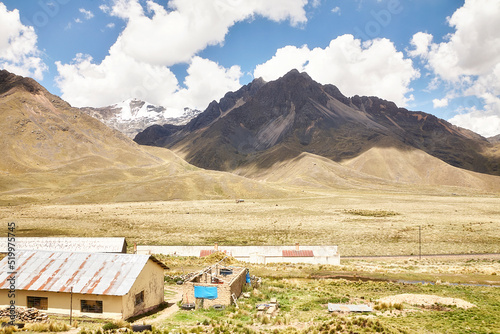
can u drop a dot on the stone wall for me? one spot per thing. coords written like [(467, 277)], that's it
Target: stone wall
[(224, 291)]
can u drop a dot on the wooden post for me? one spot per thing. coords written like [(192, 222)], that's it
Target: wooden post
[(71, 307)]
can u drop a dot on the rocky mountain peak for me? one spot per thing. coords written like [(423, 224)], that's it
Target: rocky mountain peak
[(9, 81)]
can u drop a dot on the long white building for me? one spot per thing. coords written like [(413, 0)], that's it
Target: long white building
[(255, 254)]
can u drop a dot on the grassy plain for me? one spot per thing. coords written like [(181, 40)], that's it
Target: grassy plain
[(359, 222), (303, 301), (303, 309)]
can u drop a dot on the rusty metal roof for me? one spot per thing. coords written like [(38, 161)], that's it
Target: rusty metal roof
[(101, 245), (298, 253), (88, 273)]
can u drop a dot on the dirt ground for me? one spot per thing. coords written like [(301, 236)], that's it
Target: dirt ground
[(426, 300)]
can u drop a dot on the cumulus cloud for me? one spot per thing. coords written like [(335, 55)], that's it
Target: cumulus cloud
[(468, 61), (199, 91), (117, 78), (156, 84), (479, 121), (18, 46), (191, 25), (371, 68), (440, 103), (155, 39)]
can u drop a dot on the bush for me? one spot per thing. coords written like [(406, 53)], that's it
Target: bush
[(8, 330), (53, 326), (109, 326)]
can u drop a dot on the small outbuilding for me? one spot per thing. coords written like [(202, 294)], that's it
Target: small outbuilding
[(214, 286), (103, 285)]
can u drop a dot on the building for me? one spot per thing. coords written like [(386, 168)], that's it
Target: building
[(255, 254), (92, 245), (104, 285), (216, 285)]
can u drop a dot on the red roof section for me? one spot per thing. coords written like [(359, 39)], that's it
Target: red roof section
[(207, 252), (298, 253)]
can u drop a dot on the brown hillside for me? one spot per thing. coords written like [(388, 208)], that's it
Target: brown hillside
[(53, 152), (404, 164)]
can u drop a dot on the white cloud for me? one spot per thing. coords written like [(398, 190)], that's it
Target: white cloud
[(138, 63), (120, 77), (315, 3), (117, 78), (421, 42), (479, 121), (468, 62), (440, 103), (199, 91), (110, 25), (87, 14), (191, 25), (336, 10), (18, 46), (372, 68), (105, 9)]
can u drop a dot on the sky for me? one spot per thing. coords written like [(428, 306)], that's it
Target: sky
[(437, 56)]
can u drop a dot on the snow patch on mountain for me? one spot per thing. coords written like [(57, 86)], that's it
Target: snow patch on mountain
[(132, 116)]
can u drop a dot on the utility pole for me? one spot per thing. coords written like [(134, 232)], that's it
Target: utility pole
[(419, 242)]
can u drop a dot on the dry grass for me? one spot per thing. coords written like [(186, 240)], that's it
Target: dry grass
[(450, 223)]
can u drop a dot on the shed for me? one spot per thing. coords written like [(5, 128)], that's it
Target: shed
[(63, 244), (103, 285)]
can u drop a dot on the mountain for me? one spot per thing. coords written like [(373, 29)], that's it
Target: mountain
[(132, 116), (264, 125), (54, 153), (495, 139)]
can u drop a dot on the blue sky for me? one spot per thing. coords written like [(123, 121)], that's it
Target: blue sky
[(437, 56)]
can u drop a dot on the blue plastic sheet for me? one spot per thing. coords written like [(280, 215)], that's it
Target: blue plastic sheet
[(205, 292), (249, 280)]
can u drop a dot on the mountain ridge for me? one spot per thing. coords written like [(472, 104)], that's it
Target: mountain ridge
[(295, 114)]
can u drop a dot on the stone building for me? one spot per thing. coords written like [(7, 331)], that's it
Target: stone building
[(214, 286)]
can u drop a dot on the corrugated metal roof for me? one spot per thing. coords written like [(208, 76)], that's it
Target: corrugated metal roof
[(349, 308), (88, 273), (206, 252), (298, 253), (93, 245)]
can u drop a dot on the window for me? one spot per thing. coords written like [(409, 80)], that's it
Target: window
[(91, 306), (139, 298), (41, 303)]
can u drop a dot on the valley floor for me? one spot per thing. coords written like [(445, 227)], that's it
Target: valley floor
[(360, 223)]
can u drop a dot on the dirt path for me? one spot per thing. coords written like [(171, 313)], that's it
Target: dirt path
[(430, 256), (172, 306)]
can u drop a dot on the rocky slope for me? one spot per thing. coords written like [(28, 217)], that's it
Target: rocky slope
[(133, 116), (264, 124)]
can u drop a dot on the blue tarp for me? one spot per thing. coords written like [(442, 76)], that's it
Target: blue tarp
[(249, 280), (205, 292)]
